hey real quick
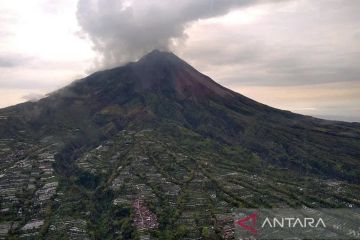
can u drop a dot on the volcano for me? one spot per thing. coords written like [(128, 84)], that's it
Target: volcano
[(157, 138)]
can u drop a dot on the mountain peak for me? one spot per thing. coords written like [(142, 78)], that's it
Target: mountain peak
[(157, 56), (156, 53), (165, 71)]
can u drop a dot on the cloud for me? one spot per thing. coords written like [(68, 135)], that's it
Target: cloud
[(13, 60), (326, 100), (292, 43), (123, 30)]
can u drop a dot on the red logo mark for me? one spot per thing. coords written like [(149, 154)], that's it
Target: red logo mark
[(248, 223)]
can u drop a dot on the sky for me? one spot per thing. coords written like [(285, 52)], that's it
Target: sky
[(298, 55)]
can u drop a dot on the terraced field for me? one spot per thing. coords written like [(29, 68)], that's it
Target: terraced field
[(140, 184)]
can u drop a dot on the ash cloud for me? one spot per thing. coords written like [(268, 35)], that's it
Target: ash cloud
[(124, 30)]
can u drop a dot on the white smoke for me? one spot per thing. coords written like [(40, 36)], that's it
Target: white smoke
[(124, 30)]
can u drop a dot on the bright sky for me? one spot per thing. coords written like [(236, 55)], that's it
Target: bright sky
[(298, 55), (40, 48)]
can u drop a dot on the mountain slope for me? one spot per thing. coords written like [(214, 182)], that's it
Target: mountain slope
[(95, 152), (160, 87)]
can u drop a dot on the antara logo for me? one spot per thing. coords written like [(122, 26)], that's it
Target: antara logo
[(249, 223), (293, 222)]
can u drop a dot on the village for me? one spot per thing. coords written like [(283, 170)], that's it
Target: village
[(152, 185)]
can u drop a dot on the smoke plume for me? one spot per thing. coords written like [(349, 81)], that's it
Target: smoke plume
[(124, 30)]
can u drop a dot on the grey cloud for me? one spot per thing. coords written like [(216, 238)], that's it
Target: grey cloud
[(232, 53), (295, 43), (13, 60), (121, 32), (25, 83), (290, 73)]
